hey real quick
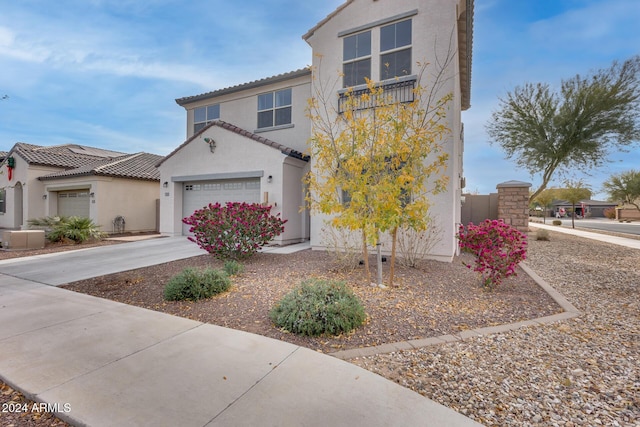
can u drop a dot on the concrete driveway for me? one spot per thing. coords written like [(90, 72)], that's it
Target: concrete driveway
[(103, 363), (65, 267)]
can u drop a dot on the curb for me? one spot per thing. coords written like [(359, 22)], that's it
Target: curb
[(569, 313)]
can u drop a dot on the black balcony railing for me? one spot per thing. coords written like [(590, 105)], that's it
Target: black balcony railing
[(399, 91)]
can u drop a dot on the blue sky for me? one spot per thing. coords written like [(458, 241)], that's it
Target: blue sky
[(106, 73)]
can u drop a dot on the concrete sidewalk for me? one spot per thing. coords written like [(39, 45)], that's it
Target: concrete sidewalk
[(104, 363), (616, 240)]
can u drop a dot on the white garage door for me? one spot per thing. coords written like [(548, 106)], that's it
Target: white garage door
[(73, 203), (198, 194)]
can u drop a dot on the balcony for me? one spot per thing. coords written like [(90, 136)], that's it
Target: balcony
[(401, 90)]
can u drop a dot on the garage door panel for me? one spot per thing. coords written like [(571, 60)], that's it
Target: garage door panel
[(73, 203), (199, 194)]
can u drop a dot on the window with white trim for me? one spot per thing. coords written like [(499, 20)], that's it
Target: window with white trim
[(395, 50), (274, 108), (356, 59), (202, 116)]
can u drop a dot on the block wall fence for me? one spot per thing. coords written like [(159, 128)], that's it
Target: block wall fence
[(513, 204)]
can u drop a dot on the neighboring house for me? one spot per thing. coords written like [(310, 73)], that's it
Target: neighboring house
[(75, 180), (245, 143), (586, 207)]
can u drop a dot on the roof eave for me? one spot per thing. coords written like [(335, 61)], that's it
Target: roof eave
[(465, 49), (245, 86)]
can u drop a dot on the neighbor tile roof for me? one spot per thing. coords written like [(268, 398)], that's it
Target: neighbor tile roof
[(81, 160), (62, 156), (134, 166), (228, 126)]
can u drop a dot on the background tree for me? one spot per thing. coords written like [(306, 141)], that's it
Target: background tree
[(573, 192), (575, 127), (624, 188), (544, 199), (377, 162)]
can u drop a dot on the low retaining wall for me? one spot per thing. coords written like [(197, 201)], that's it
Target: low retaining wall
[(23, 239)]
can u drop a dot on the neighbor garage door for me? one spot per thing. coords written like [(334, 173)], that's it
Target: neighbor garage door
[(73, 203), (198, 194)]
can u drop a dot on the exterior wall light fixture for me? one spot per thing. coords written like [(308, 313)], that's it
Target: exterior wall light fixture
[(212, 144), (44, 197), (165, 184), (92, 195), (270, 178)]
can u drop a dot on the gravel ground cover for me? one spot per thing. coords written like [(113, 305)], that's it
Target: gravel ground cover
[(580, 372), (436, 299)]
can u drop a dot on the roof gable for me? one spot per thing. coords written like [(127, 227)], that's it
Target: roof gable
[(235, 129), (464, 48), (326, 19)]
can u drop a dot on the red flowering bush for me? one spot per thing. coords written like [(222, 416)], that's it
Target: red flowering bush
[(235, 230), (498, 249)]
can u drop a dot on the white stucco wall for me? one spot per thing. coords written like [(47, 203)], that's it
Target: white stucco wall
[(234, 156), (241, 109), (434, 23), (33, 205)]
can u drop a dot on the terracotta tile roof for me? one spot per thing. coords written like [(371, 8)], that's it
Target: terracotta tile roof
[(81, 160), (134, 166), (228, 126), (253, 84), (62, 156)]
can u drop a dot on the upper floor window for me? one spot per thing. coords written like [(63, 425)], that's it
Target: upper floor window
[(356, 57), (3, 203), (202, 116), (395, 49), (274, 108)]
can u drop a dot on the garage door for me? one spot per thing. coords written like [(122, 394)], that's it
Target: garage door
[(73, 203), (199, 194)]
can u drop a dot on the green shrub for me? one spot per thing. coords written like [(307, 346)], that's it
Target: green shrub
[(193, 284), (78, 229), (233, 268), (319, 307), (542, 234), (557, 222), (48, 222)]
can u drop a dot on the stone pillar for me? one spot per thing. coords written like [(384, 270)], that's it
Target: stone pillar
[(513, 204)]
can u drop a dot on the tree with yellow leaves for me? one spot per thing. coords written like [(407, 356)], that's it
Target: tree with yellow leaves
[(376, 162)]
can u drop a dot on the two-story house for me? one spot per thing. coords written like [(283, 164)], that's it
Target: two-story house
[(248, 142)]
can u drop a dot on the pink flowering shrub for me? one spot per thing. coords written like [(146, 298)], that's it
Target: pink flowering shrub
[(235, 230), (498, 249)]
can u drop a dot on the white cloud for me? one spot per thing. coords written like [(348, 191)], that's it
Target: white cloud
[(594, 26)]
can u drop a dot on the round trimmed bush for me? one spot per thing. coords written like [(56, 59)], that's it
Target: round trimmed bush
[(543, 235), (319, 307), (194, 284)]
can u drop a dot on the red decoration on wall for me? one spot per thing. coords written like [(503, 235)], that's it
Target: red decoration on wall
[(10, 172)]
